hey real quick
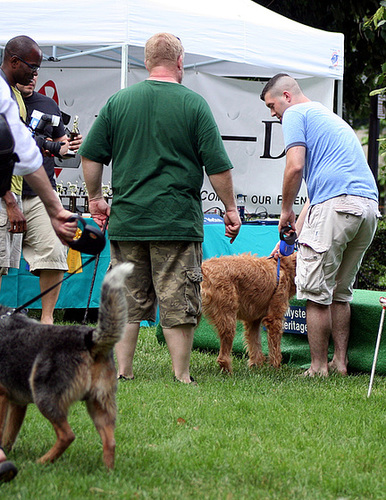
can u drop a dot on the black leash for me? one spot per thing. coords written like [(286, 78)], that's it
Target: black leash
[(18, 309), (84, 322), (92, 241)]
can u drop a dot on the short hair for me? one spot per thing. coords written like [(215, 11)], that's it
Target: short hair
[(280, 82), (163, 49), (20, 46)]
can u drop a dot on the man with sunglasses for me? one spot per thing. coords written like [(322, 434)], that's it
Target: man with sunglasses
[(21, 62)]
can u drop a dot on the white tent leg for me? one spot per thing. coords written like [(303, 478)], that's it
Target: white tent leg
[(382, 300), (124, 65), (339, 98)]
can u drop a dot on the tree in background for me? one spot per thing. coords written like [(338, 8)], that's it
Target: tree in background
[(376, 24), (373, 270), (365, 51)]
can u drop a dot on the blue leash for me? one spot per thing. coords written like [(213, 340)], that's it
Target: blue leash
[(287, 244), (278, 270)]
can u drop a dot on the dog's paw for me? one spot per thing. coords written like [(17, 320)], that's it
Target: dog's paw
[(257, 362), (226, 366)]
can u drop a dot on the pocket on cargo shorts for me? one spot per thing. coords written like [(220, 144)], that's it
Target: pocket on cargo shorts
[(310, 269), (350, 205), (193, 291)]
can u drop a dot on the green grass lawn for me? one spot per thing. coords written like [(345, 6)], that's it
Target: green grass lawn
[(260, 434)]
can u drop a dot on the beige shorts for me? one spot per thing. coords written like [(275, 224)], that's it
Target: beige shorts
[(10, 243), (333, 240), (167, 273), (42, 249)]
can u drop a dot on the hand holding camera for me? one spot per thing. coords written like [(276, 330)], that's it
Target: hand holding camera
[(39, 121)]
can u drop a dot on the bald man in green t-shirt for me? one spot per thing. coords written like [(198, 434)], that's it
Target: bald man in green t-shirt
[(160, 137)]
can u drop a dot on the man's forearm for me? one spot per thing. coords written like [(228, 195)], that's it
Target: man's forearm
[(291, 186), (223, 185), (92, 173), (9, 199), (293, 175)]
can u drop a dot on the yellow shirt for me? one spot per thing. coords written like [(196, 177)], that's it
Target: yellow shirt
[(17, 180)]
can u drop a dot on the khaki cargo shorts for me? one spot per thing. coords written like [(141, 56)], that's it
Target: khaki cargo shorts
[(10, 243), (42, 249), (166, 273), (333, 240)]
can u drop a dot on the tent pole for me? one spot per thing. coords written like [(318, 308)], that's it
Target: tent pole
[(124, 65), (339, 98)]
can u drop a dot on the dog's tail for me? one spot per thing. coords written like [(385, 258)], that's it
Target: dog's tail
[(112, 316)]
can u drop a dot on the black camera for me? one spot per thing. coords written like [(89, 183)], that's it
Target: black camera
[(37, 125)]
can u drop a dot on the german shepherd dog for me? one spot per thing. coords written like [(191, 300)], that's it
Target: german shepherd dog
[(54, 366)]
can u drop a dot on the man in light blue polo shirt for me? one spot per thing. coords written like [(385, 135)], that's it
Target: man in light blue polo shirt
[(338, 222)]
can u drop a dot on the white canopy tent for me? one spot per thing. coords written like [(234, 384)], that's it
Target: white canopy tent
[(226, 37), (87, 44)]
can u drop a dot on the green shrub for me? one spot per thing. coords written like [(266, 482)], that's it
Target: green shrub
[(372, 274)]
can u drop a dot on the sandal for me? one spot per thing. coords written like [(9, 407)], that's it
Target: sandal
[(8, 471), (124, 379), (192, 381)]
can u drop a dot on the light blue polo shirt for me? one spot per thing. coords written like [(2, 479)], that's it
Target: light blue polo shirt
[(335, 161)]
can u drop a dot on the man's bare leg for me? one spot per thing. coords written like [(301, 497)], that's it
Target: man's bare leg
[(319, 331), (48, 278), (179, 340), (341, 316), (125, 349)]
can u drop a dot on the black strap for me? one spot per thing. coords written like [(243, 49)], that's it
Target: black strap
[(94, 276), (18, 309), (91, 259)]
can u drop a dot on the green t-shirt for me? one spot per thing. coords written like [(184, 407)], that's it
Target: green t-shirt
[(159, 136)]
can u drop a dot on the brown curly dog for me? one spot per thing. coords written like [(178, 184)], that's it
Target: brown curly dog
[(245, 287)]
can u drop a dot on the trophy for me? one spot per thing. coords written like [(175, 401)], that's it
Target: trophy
[(107, 192), (74, 132), (84, 193), (73, 189)]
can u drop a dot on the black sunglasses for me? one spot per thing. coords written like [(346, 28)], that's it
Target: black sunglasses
[(31, 66)]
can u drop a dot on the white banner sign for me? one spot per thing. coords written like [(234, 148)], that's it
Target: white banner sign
[(253, 139)]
